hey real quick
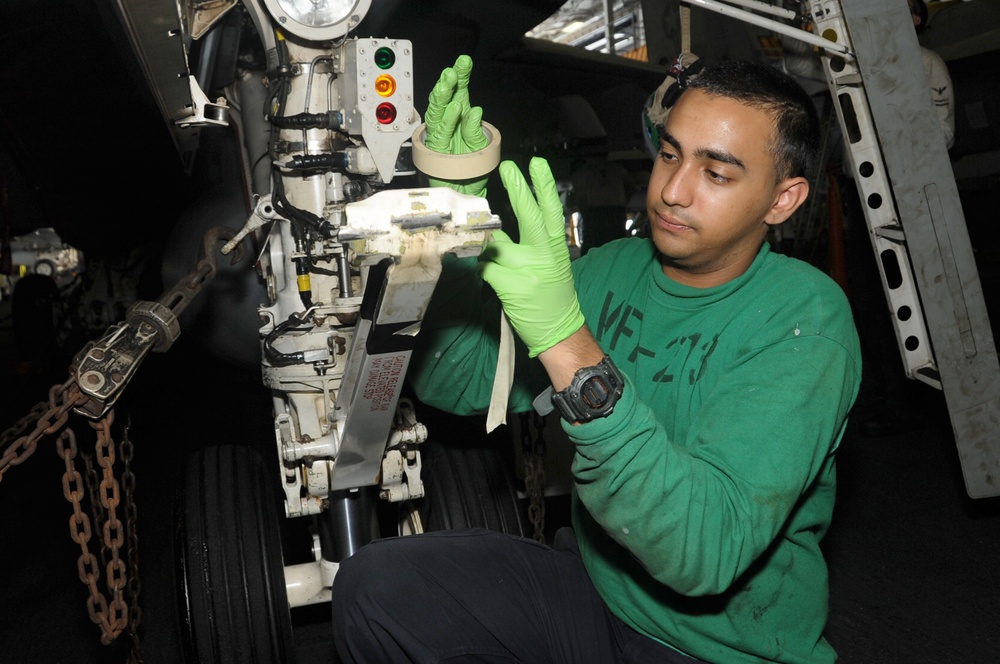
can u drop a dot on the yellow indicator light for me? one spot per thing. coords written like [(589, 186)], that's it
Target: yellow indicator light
[(385, 85)]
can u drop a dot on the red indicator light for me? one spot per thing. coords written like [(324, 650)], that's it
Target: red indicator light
[(385, 113)]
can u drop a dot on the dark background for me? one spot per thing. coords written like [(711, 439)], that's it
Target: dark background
[(915, 575)]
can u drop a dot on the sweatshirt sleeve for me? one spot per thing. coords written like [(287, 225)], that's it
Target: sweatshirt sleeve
[(697, 516), (454, 361)]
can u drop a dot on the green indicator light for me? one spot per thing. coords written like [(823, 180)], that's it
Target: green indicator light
[(385, 57)]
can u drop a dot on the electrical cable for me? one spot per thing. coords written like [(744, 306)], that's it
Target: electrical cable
[(274, 356)]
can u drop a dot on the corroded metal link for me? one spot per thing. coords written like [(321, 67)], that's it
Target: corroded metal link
[(71, 486), (86, 566), (79, 527), (533, 450), (113, 532), (61, 421), (97, 609), (109, 493), (111, 617), (116, 573), (133, 585), (96, 513), (19, 427), (62, 398), (118, 617)]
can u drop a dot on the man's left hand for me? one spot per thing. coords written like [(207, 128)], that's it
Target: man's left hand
[(533, 278)]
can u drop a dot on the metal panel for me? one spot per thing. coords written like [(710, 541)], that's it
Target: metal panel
[(872, 178), (932, 230), (158, 39)]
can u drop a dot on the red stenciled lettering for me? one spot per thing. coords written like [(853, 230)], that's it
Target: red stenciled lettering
[(383, 378)]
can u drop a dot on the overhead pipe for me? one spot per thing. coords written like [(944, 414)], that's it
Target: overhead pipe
[(776, 26)]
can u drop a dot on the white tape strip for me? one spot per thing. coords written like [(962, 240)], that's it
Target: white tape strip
[(504, 379), (456, 166)]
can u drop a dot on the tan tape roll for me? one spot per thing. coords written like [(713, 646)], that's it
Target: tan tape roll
[(456, 166)]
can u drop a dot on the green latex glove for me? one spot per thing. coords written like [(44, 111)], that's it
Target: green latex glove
[(453, 126), (533, 278)]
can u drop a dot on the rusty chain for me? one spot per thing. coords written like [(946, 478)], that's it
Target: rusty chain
[(50, 417), (111, 617), (134, 583), (19, 427), (533, 451), (62, 398), (96, 513)]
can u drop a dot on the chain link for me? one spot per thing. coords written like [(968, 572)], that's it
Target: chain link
[(533, 450), (18, 428), (105, 497), (132, 519), (62, 398), (112, 617), (114, 531), (96, 513)]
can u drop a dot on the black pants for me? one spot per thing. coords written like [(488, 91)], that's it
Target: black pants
[(479, 596)]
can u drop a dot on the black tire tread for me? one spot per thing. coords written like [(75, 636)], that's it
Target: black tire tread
[(468, 485), (237, 608)]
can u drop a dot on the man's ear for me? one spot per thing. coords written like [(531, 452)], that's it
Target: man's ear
[(791, 193)]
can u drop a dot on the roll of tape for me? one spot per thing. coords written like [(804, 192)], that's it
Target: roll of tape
[(456, 166)]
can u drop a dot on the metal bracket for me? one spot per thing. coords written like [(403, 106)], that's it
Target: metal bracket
[(203, 111)]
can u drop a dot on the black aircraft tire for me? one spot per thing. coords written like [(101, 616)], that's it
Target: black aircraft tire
[(468, 485), (233, 601)]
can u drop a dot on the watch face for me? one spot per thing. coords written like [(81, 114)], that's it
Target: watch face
[(595, 392), (592, 393)]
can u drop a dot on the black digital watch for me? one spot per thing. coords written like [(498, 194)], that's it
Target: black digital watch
[(592, 393)]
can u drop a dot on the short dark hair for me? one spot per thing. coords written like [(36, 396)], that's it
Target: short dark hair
[(796, 136)]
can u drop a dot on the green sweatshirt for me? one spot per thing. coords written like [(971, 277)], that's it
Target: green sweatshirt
[(699, 504)]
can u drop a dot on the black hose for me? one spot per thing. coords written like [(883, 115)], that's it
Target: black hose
[(329, 120), (274, 356), (318, 162)]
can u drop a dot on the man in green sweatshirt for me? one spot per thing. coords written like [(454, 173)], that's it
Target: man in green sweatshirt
[(705, 384)]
